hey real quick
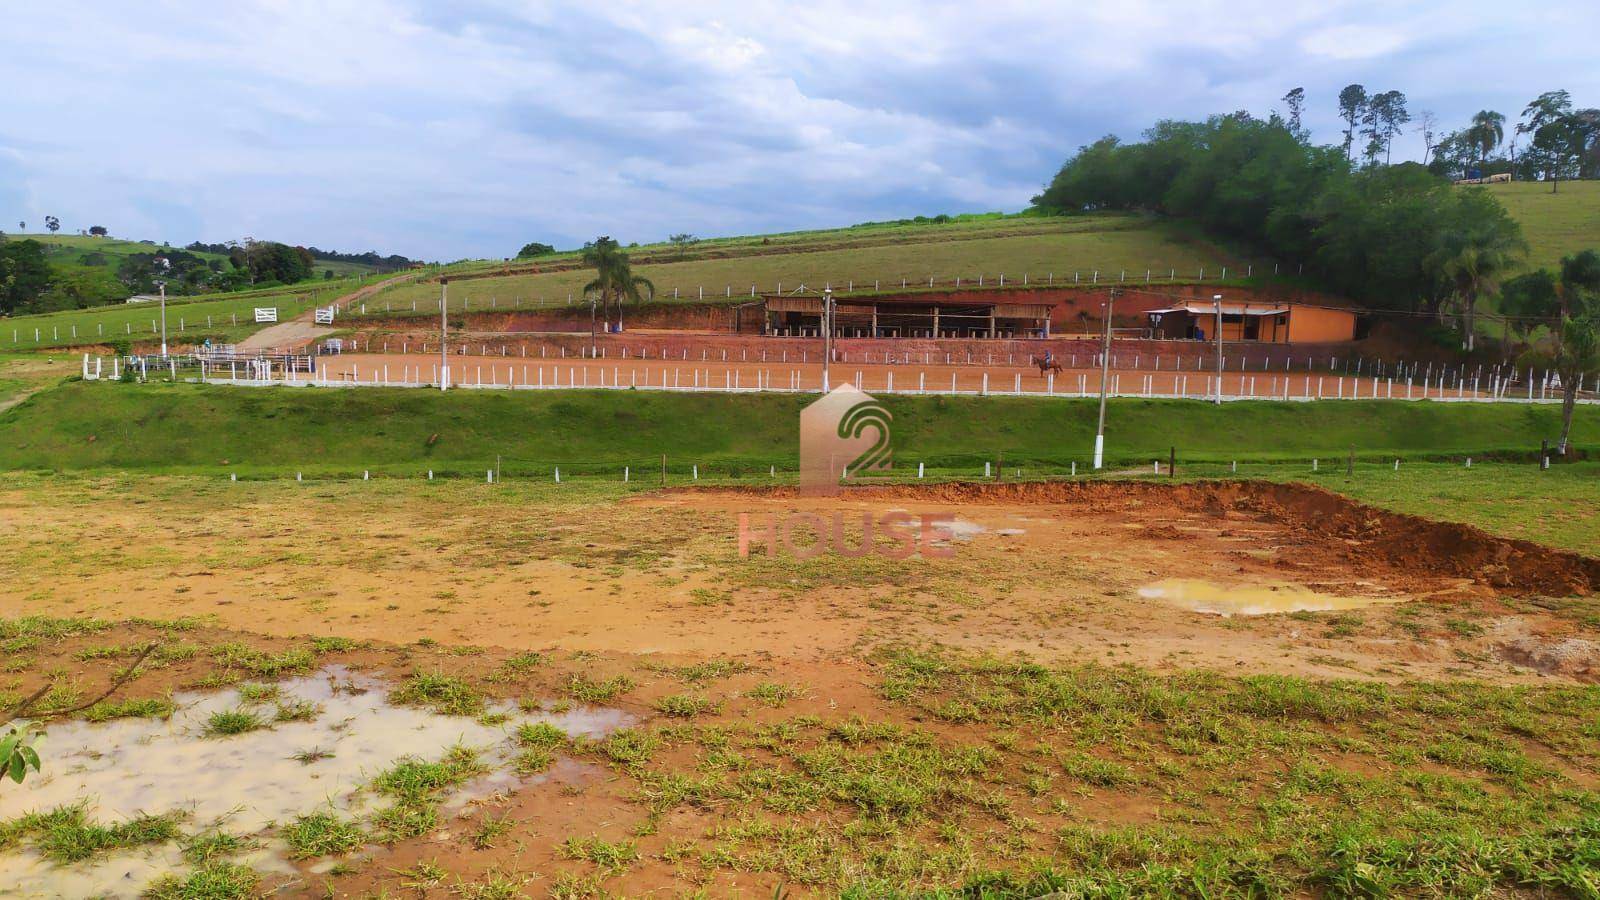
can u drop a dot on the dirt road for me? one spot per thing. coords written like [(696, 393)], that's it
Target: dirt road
[(302, 330)]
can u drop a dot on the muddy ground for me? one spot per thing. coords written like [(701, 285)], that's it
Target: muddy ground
[(735, 664), (1057, 571)]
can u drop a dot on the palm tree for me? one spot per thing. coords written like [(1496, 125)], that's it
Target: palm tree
[(1488, 129), (614, 277), (1475, 257)]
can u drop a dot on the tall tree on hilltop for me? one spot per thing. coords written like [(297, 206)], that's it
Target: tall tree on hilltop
[(1588, 121), (1429, 123), (1386, 114), (1486, 133), (614, 278), (1352, 107), (1558, 137), (1296, 101)]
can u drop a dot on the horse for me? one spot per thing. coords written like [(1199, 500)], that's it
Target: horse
[(1045, 364)]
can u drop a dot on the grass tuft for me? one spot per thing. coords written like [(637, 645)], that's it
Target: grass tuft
[(321, 834), (228, 722), (442, 693)]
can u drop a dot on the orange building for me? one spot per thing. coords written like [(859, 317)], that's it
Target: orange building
[(1268, 323)]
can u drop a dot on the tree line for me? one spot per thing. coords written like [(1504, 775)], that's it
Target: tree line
[(1394, 236), (1381, 234), (390, 263), (30, 283), (1551, 140)]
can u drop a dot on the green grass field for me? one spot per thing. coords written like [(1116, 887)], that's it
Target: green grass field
[(1554, 224), (183, 427), (1559, 507), (77, 249), (80, 250), (232, 317), (958, 228), (1013, 247)]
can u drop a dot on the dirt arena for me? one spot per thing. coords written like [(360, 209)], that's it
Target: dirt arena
[(904, 378)]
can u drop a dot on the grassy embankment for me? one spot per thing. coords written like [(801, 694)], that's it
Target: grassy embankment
[(183, 427), (1014, 247), (189, 319)]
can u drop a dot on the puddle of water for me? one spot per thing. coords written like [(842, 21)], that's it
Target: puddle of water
[(131, 766), (961, 529), (27, 874), (1198, 595)]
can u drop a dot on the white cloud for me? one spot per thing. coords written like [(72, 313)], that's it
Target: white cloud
[(1350, 42), (444, 129)]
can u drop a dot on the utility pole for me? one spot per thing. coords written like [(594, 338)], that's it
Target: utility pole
[(163, 320), (1218, 299), (444, 335), (827, 339), (1105, 382), (592, 302)]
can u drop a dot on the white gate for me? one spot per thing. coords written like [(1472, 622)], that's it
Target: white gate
[(325, 315), (266, 314)]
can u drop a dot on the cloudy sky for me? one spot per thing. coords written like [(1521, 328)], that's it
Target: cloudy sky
[(448, 128)]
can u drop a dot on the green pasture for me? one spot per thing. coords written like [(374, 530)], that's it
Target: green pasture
[(1062, 249)]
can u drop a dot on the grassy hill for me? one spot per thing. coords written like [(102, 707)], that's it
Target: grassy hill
[(79, 250), (970, 247), (1555, 224), (92, 263), (108, 252), (221, 317), (210, 428)]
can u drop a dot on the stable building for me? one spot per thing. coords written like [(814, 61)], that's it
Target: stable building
[(1267, 323), (907, 317)]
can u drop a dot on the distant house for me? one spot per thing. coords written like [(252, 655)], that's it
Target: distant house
[(143, 298), (1272, 323)]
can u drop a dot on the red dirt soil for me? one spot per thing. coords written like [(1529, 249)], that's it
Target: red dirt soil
[(1401, 540)]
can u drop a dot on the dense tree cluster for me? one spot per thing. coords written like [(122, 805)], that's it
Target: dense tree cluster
[(1397, 237), (392, 262), (181, 271), (1381, 234), (270, 262), (24, 274), (381, 263), (533, 249)]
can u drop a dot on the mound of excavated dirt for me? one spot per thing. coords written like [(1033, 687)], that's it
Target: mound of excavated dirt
[(1361, 533)]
